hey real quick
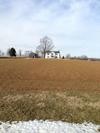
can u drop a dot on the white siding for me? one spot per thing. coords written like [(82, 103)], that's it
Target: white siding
[(52, 54)]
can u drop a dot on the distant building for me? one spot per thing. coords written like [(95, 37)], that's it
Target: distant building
[(31, 54), (52, 55)]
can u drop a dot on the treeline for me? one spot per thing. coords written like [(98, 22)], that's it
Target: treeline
[(46, 44), (11, 52), (82, 57)]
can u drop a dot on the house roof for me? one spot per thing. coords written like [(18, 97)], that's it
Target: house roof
[(52, 51)]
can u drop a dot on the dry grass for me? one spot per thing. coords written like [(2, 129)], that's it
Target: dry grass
[(99, 129), (49, 89)]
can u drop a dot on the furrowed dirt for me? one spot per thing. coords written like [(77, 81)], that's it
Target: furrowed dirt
[(38, 74)]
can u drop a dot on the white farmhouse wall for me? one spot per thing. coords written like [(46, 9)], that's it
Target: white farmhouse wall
[(52, 55)]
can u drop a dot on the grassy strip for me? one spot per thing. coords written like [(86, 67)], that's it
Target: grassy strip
[(69, 105)]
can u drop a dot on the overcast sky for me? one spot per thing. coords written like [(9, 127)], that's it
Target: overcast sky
[(73, 25)]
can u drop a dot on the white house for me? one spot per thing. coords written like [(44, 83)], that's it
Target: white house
[(52, 55)]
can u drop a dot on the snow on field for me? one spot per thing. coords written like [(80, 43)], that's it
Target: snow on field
[(47, 127)]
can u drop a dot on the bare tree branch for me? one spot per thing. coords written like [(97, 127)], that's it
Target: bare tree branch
[(46, 44)]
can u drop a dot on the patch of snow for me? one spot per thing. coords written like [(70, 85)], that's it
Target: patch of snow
[(47, 127)]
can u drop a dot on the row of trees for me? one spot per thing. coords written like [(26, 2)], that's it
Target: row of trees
[(46, 44)]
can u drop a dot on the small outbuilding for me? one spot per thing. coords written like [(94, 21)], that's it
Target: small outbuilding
[(33, 55)]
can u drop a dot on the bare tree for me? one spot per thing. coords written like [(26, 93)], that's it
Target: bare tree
[(0, 53), (46, 44), (84, 57), (20, 53), (68, 56)]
